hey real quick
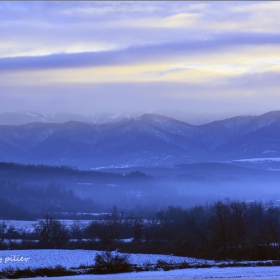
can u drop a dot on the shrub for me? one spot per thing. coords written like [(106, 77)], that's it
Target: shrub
[(108, 262), (165, 265)]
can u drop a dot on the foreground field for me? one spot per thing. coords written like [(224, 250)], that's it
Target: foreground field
[(22, 259), (75, 258), (202, 273)]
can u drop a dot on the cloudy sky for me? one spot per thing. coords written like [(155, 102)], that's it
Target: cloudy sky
[(88, 57)]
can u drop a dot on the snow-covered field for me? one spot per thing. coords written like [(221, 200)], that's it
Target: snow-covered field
[(191, 273), (74, 258), (29, 226)]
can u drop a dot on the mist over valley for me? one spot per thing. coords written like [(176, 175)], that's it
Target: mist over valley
[(145, 163)]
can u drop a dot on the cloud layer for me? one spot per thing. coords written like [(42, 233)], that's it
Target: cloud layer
[(139, 56)]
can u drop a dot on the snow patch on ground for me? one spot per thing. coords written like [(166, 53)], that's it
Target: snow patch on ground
[(28, 226), (257, 159)]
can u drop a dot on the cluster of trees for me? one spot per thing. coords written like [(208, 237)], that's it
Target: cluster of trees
[(223, 229)]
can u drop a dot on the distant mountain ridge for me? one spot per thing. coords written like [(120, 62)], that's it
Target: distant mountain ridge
[(148, 140), (17, 118)]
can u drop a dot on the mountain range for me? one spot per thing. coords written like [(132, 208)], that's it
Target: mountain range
[(148, 140), (196, 118)]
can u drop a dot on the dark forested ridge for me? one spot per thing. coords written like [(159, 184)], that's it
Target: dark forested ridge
[(46, 173), (31, 191), (26, 202)]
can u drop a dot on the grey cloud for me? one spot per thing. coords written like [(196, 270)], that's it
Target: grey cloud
[(138, 53), (65, 12), (87, 10)]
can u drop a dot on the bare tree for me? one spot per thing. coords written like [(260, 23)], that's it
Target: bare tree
[(3, 230), (52, 233)]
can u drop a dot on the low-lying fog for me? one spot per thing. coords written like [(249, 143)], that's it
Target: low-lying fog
[(33, 191)]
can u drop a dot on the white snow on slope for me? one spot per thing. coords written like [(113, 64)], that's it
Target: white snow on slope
[(257, 159)]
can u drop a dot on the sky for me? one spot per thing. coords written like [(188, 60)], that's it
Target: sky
[(88, 57)]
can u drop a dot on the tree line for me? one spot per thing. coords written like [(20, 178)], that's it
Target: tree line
[(223, 229), (50, 173)]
